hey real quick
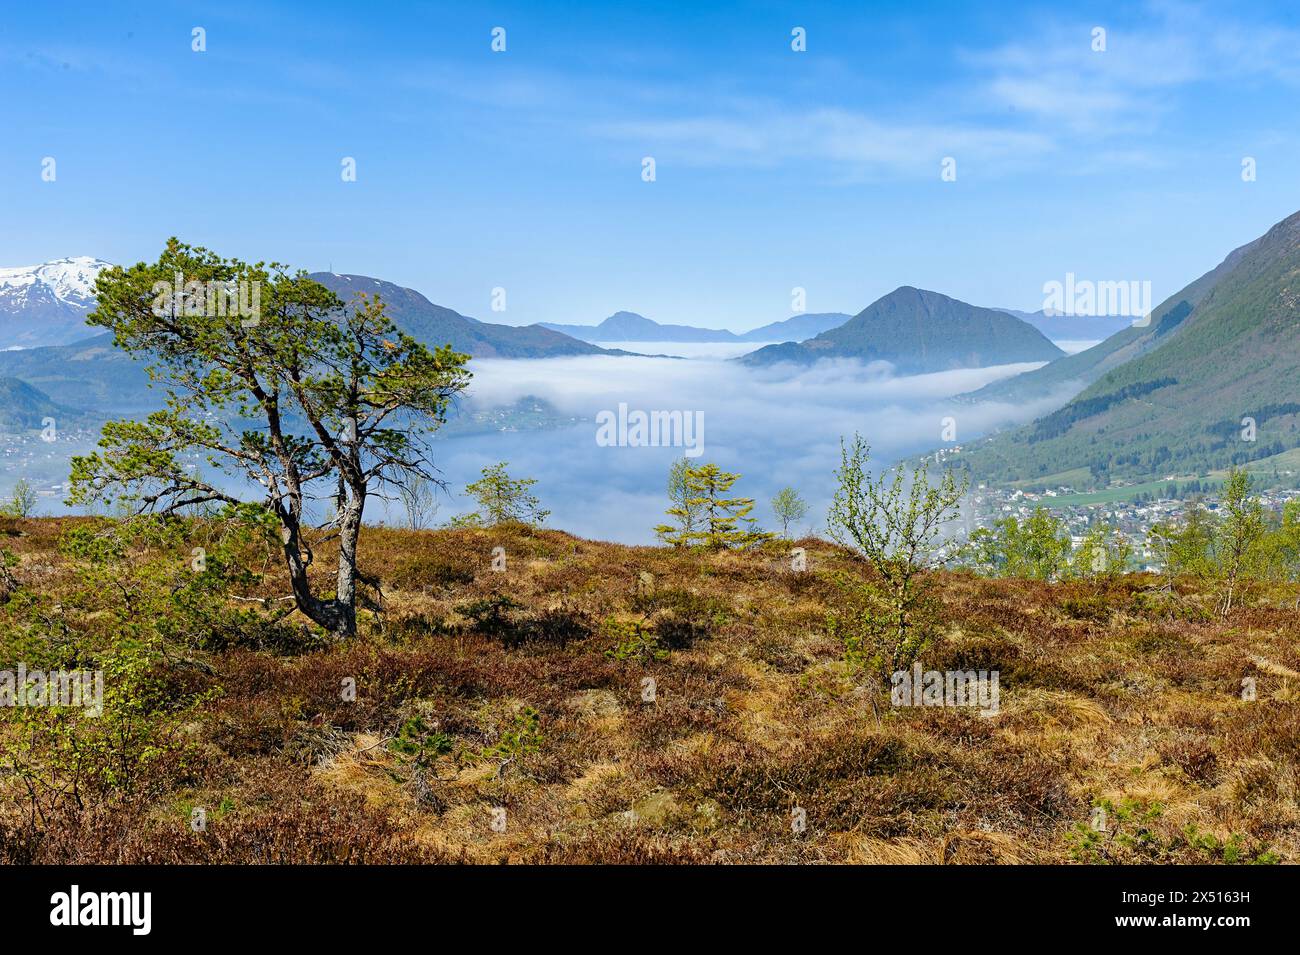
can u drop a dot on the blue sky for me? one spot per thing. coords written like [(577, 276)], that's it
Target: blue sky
[(775, 168)]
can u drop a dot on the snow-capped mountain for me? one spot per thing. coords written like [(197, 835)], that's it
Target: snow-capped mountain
[(47, 304)]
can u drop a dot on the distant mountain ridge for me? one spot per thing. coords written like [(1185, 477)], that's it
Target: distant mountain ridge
[(630, 327), (44, 308), (1072, 328), (47, 304), (797, 328), (436, 325), (919, 331)]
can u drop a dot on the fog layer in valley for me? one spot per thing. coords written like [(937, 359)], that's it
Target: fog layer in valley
[(774, 426)]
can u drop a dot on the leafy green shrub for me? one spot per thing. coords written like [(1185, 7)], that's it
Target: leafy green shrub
[(633, 640), (1232, 852), (1132, 838)]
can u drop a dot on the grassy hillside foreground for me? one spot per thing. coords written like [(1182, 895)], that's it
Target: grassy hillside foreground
[(1113, 696)]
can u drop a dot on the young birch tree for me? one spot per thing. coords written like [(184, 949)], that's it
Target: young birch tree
[(789, 508), (1239, 534), (895, 525)]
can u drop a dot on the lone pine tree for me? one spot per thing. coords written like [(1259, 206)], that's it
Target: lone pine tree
[(310, 399)]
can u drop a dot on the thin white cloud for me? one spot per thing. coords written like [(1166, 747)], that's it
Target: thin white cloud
[(1055, 75), (1037, 98), (836, 136)]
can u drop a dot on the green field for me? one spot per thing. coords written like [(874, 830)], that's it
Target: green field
[(1070, 478), (1112, 494), (1262, 471)]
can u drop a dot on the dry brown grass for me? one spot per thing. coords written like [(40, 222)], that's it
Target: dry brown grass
[(1108, 692)]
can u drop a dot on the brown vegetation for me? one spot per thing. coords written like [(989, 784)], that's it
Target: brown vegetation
[(522, 690)]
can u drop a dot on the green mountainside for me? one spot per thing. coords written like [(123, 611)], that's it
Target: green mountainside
[(24, 408), (1068, 376), (92, 375), (1171, 398)]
